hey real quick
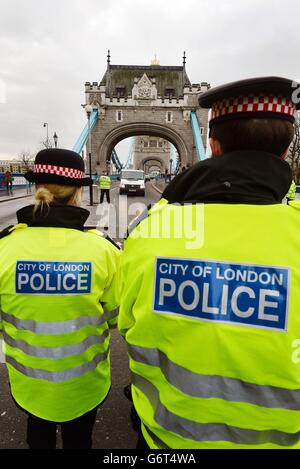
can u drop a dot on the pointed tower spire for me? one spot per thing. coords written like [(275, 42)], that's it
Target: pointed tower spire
[(184, 59), (155, 61), (108, 57)]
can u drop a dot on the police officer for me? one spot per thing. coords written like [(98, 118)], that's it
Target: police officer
[(58, 295), (291, 195), (104, 182), (210, 302)]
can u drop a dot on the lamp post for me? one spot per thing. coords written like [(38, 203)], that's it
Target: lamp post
[(89, 110), (171, 161), (47, 138), (55, 138)]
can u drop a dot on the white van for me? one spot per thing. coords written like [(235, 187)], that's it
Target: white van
[(132, 182)]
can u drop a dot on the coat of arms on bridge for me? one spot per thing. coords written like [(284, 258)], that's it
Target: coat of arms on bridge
[(144, 88)]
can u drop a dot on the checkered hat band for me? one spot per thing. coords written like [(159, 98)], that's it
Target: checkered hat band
[(59, 171), (253, 104)]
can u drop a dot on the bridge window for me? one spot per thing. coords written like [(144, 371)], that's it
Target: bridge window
[(170, 92), (120, 91), (119, 116), (169, 116), (153, 143), (160, 144), (202, 130), (146, 144)]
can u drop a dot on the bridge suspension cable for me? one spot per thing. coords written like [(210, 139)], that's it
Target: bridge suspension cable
[(177, 167), (197, 137), (173, 157), (129, 160), (83, 137), (116, 161)]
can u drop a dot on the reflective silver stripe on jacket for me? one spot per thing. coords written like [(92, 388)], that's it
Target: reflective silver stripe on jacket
[(58, 376), (57, 327), (209, 431), (220, 387), (56, 352)]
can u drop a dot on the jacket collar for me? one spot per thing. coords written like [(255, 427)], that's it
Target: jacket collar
[(248, 177), (58, 216)]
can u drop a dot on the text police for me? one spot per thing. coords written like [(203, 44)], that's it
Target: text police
[(252, 295), (53, 277)]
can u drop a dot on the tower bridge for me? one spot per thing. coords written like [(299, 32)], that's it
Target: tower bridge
[(155, 101)]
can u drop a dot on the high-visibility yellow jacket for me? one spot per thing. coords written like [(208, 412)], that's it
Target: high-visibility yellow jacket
[(104, 182), (211, 318), (58, 296), (291, 195)]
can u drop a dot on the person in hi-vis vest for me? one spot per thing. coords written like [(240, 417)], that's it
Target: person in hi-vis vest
[(104, 183), (211, 285), (59, 297)]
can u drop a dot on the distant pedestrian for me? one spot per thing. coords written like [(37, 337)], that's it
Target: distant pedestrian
[(28, 187), (9, 182), (104, 182)]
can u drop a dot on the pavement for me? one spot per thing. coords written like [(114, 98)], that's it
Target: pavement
[(17, 194)]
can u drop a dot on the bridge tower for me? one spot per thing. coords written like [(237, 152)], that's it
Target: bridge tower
[(150, 151), (139, 100)]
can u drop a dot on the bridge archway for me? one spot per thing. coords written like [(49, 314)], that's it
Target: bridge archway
[(121, 132), (151, 161), (154, 168)]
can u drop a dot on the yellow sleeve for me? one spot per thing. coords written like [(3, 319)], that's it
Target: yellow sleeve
[(2, 358), (111, 297), (128, 293)]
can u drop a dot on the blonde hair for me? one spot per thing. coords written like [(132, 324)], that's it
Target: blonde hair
[(56, 193)]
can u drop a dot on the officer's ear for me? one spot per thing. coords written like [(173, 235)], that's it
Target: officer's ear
[(215, 146)]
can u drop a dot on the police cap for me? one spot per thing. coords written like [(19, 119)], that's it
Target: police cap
[(58, 166), (264, 97)]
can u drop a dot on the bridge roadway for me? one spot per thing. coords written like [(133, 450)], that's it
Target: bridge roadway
[(112, 429)]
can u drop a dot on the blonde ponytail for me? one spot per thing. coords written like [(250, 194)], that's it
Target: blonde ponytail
[(56, 193)]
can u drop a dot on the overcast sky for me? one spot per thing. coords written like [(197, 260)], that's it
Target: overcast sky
[(48, 49)]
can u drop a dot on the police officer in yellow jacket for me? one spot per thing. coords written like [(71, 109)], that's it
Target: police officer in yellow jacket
[(211, 286), (291, 195), (58, 296), (104, 182)]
